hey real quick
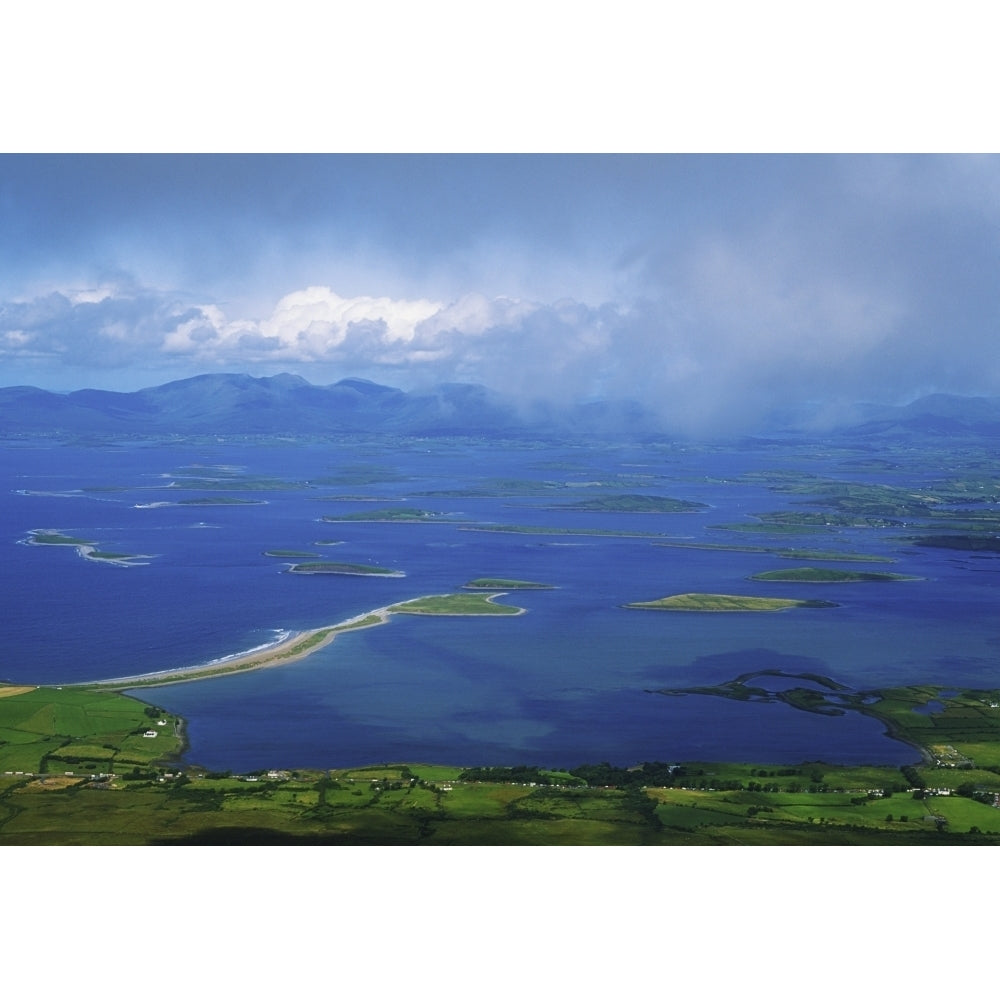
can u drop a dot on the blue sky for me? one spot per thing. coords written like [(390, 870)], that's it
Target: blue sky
[(709, 287)]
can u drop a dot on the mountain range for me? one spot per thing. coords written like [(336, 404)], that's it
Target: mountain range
[(232, 404)]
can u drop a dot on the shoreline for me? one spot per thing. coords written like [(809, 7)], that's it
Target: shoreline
[(85, 550), (289, 649)]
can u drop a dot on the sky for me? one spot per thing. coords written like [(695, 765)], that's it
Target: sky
[(710, 288)]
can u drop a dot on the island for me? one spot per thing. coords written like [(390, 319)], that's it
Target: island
[(456, 604), (715, 603), (633, 503), (493, 583), (401, 515), (318, 566), (84, 548), (814, 574)]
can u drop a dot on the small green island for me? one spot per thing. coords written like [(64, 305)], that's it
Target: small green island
[(633, 503), (402, 515), (725, 602), (289, 554), (84, 548), (494, 583), (815, 574), (342, 569), (455, 604)]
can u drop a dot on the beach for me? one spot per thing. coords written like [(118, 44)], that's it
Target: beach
[(288, 649)]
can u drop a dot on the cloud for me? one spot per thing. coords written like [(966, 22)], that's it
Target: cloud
[(711, 289)]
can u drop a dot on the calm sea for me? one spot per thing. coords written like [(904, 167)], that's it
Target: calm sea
[(571, 681)]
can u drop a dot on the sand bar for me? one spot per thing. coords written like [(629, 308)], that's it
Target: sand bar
[(287, 649)]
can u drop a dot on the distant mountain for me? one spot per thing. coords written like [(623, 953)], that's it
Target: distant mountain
[(935, 415), (282, 404), (229, 404)]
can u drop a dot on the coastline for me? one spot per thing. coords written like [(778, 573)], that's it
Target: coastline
[(289, 649), (86, 550)]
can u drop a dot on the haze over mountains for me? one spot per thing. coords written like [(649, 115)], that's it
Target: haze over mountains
[(288, 404)]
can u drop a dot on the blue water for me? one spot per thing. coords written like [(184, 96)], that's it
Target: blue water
[(568, 682)]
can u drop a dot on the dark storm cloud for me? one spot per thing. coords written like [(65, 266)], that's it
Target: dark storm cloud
[(713, 289)]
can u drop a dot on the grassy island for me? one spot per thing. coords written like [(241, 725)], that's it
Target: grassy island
[(343, 569), (84, 548), (43, 536), (633, 503), (725, 602), (814, 574), (405, 515), (492, 583), (456, 604)]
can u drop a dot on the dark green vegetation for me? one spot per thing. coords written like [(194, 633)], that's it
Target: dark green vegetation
[(493, 583), (633, 503), (290, 554), (343, 569), (813, 574), (122, 792), (725, 602)]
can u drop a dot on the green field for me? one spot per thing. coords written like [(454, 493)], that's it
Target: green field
[(724, 602), (121, 791), (59, 729)]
